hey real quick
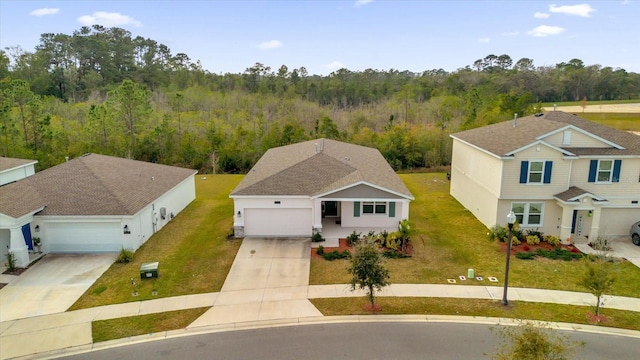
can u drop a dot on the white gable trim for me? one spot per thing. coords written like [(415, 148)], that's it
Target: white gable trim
[(576, 199), (541, 142), (362, 183), (19, 166), (584, 132), (269, 196)]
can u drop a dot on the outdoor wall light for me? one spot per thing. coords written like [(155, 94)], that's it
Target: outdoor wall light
[(126, 229), (37, 228), (590, 213), (239, 214)]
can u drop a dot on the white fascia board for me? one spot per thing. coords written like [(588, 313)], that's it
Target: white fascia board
[(541, 142), (476, 147), (19, 166), (362, 182), (83, 218), (590, 195), (608, 156), (527, 198), (584, 132)]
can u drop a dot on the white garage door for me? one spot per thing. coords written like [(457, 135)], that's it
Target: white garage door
[(90, 237), (618, 221), (277, 222)]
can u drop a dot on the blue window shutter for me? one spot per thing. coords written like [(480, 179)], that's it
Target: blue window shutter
[(616, 170), (593, 168), (547, 171), (524, 171), (356, 209), (392, 209)]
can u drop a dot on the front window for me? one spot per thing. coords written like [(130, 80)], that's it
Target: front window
[(374, 207), (536, 169), (605, 169), (528, 214)]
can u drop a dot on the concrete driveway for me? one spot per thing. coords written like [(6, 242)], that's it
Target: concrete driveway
[(624, 248), (269, 280), (52, 285)]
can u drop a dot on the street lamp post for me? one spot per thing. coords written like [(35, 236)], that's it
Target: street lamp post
[(511, 219)]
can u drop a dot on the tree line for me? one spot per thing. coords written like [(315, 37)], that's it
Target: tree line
[(102, 90)]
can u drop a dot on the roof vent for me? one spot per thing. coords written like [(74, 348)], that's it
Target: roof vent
[(538, 114), (66, 158), (554, 107), (515, 118), (315, 148)]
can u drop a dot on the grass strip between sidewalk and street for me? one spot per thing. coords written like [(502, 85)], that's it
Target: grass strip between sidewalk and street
[(479, 308), (111, 329)]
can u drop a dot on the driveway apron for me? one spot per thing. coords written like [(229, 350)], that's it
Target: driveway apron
[(268, 280), (52, 285)]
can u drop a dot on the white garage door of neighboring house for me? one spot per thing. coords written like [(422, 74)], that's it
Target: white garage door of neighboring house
[(277, 222), (91, 237)]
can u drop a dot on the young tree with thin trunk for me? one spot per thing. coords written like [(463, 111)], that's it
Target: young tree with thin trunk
[(367, 270), (598, 280)]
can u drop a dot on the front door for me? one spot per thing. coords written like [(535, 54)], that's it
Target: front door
[(330, 208)]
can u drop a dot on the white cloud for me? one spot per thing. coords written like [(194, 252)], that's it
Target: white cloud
[(544, 30), (108, 19), (583, 10), (541, 15), (360, 3), (44, 11), (334, 65), (484, 40), (271, 44), (511, 33)]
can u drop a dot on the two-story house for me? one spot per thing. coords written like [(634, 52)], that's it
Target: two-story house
[(559, 173)]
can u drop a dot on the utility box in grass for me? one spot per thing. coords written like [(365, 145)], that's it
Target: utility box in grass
[(149, 270)]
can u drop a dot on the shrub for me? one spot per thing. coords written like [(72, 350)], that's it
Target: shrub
[(336, 255), (497, 232), (11, 261), (515, 240), (536, 232), (552, 239), (558, 254), (526, 255), (125, 256), (320, 250), (393, 241), (316, 237), (601, 244), (525, 247), (353, 238), (392, 254), (533, 240)]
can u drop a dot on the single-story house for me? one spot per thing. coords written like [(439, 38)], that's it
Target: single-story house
[(308, 187), (91, 204), (560, 174)]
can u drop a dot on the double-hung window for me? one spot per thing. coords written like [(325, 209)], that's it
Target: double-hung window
[(605, 171), (528, 214), (536, 169), (535, 172), (374, 207)]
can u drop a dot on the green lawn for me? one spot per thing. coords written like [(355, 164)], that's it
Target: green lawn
[(450, 240), (615, 120), (478, 308), (192, 249)]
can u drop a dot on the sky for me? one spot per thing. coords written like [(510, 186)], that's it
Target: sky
[(323, 36)]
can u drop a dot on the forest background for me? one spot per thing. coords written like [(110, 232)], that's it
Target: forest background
[(102, 90)]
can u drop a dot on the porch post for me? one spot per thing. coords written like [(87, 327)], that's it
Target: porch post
[(317, 216), (565, 225), (18, 247), (405, 209)]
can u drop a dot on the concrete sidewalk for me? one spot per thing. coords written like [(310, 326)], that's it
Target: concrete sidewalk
[(73, 329)]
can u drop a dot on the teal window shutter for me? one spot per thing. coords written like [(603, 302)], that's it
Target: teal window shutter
[(616, 170), (593, 168), (524, 172), (392, 209), (356, 209), (547, 171)]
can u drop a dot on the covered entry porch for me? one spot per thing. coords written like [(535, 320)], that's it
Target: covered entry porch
[(581, 212)]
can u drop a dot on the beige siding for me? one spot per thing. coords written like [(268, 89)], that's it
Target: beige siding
[(629, 186), (475, 181), (511, 187), (552, 215), (578, 139)]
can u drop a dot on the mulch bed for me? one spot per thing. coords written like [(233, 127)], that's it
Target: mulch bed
[(524, 247), (342, 247), (15, 271)]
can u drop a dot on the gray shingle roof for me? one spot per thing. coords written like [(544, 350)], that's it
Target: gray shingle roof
[(91, 185), (10, 163), (572, 193), (503, 138), (316, 167)]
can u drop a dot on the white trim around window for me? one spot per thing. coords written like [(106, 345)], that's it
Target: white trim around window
[(604, 174), (536, 172), (529, 213), (374, 208)]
